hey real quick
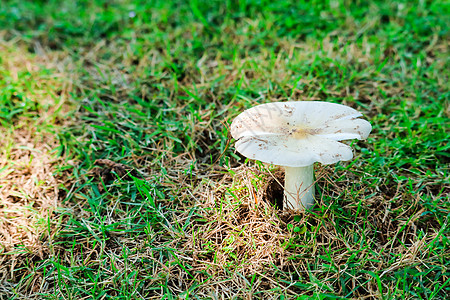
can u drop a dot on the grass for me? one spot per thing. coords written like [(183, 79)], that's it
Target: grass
[(118, 112)]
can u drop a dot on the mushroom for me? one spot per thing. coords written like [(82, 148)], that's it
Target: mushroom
[(295, 135)]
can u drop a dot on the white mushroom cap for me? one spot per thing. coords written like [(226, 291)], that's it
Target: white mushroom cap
[(297, 134)]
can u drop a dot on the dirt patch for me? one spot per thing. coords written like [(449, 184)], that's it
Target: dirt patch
[(108, 170), (274, 190)]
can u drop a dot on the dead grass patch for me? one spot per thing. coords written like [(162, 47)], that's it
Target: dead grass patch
[(29, 178), (28, 190), (241, 235)]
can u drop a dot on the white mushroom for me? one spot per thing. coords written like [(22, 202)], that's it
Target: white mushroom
[(295, 135)]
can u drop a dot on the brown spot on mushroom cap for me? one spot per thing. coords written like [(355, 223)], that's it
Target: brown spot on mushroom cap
[(288, 110)]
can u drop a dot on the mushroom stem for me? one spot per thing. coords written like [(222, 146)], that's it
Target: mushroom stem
[(299, 187)]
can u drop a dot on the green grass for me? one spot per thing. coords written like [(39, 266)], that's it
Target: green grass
[(153, 87)]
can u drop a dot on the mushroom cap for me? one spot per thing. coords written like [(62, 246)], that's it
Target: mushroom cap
[(297, 134)]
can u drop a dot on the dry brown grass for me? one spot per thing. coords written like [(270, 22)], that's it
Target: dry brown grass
[(28, 190), (29, 178), (241, 236)]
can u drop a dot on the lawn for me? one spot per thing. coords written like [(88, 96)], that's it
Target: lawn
[(118, 174)]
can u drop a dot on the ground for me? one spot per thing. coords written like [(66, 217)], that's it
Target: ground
[(119, 178)]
